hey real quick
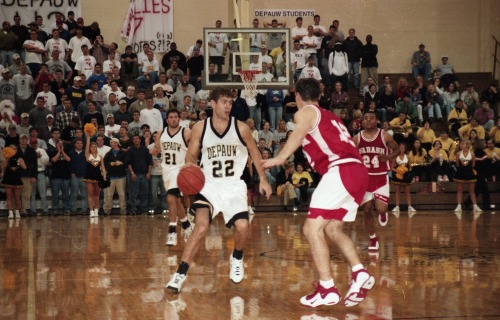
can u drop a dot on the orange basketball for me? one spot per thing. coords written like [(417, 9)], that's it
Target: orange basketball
[(190, 180)]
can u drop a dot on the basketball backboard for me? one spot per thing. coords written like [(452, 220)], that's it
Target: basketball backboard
[(230, 50)]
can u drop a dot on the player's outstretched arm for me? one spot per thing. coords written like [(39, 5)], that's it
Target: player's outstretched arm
[(193, 151), (246, 135), (305, 121)]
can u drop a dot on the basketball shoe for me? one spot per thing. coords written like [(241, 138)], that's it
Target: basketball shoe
[(321, 296), (361, 282), (236, 269), (175, 284), (383, 219), (187, 232), (373, 246), (172, 239)]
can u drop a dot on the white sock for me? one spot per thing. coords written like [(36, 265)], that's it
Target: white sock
[(357, 267), (172, 224), (327, 284), (373, 236), (185, 219)]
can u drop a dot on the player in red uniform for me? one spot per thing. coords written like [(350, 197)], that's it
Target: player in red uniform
[(376, 147), (331, 151)]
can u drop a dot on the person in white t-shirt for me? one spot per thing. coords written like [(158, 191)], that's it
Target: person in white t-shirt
[(107, 66), (34, 51), (85, 64), (218, 43), (76, 43), (298, 58), (151, 116), (111, 128), (310, 43), (310, 71), (50, 100), (58, 44), (256, 39), (298, 32)]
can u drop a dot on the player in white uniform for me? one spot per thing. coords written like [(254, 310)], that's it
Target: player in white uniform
[(225, 144), (172, 145)]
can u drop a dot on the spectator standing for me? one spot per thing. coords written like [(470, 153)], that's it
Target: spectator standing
[(23, 84), (369, 62), (78, 167), (114, 162), (34, 51), (139, 164), (60, 179), (28, 174), (338, 66), (353, 47), (151, 116), (41, 179), (274, 100)]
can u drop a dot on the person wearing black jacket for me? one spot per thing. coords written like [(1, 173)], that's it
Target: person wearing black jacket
[(28, 175), (114, 162), (139, 163), (240, 108), (353, 47), (369, 63)]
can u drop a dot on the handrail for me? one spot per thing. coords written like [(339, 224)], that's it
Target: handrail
[(495, 60)]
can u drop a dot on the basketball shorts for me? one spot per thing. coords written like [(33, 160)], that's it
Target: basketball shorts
[(217, 60), (339, 193), (378, 188), (227, 197), (170, 181)]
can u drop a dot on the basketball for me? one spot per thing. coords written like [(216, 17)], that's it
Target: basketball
[(190, 180)]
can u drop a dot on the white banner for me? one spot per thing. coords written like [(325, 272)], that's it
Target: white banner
[(149, 21), (284, 13), (29, 9)]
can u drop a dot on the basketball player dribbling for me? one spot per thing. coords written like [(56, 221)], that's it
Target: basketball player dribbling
[(225, 144), (172, 145), (377, 149), (330, 151)]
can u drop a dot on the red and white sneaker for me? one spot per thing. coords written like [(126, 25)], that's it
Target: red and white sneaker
[(383, 219), (373, 246), (361, 282), (321, 296)]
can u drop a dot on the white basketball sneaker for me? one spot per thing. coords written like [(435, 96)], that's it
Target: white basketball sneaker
[(172, 239), (236, 269), (175, 284)]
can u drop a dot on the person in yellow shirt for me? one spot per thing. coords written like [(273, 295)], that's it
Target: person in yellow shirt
[(401, 127), (439, 162), (457, 117), (493, 161), (447, 142), (426, 135), (302, 179), (418, 162), (495, 133), (464, 131)]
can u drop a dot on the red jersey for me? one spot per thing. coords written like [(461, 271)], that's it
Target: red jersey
[(370, 149), (328, 143)]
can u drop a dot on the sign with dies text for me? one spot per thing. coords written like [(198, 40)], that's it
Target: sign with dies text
[(149, 21), (29, 9)]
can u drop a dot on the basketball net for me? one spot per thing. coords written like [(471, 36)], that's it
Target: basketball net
[(249, 81)]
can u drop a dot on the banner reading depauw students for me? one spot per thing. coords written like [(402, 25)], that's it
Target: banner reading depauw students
[(149, 21), (29, 9)]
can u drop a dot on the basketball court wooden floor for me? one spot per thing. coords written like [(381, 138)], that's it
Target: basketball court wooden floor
[(430, 266)]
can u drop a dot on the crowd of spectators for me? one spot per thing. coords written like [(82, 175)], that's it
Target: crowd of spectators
[(57, 78)]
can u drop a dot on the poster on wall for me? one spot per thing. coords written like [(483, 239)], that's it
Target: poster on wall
[(29, 9), (149, 21)]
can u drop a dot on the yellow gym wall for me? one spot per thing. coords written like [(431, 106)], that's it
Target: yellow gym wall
[(461, 29)]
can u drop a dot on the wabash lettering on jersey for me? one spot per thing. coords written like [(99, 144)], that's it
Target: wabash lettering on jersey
[(370, 149), (329, 144)]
